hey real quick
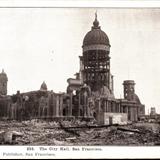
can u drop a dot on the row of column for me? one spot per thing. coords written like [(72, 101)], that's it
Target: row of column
[(83, 107), (111, 106), (54, 107)]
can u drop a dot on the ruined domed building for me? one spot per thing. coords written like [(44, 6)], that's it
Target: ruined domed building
[(94, 84), (89, 96)]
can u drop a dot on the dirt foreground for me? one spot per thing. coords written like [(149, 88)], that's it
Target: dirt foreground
[(79, 133)]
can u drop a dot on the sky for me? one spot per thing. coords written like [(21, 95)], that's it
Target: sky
[(44, 44)]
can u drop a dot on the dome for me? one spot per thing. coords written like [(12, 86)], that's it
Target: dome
[(43, 87), (96, 35), (3, 75)]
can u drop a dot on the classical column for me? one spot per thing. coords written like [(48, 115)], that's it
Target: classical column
[(114, 107), (87, 108), (119, 108), (109, 106), (57, 105), (123, 109), (54, 101), (70, 106), (99, 106), (127, 109), (84, 104), (79, 104), (61, 106), (48, 108), (39, 110), (129, 112), (105, 106), (51, 107)]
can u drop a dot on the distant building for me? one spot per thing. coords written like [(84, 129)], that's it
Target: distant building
[(153, 111), (152, 117), (153, 114), (89, 96)]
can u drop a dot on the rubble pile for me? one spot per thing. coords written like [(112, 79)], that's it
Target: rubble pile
[(39, 132)]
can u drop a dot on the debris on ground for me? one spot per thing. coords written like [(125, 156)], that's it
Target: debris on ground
[(9, 137), (40, 132)]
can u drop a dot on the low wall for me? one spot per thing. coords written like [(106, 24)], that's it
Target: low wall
[(113, 118)]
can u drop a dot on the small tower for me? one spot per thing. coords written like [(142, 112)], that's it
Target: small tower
[(129, 90), (3, 83), (43, 86)]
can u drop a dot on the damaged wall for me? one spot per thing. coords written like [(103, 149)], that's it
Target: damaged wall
[(112, 118)]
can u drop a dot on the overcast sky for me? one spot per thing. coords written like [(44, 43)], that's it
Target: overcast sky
[(43, 44)]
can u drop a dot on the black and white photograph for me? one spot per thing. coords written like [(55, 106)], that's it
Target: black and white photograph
[(83, 76)]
